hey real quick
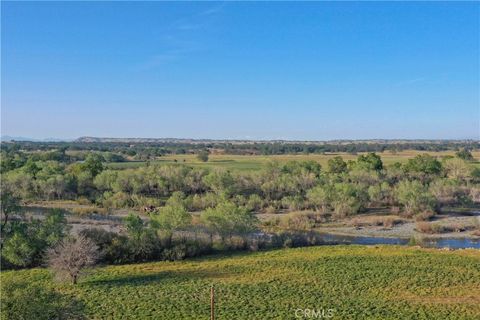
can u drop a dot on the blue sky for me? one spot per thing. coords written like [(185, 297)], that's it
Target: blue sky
[(250, 70)]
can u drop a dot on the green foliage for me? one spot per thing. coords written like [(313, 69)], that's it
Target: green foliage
[(380, 194), (369, 162), (423, 165), (93, 164), (142, 244), (457, 169), (31, 168), (337, 165), (10, 203), (134, 225), (220, 182), (450, 192), (320, 197), (465, 154), (414, 197), (227, 219), (25, 242), (348, 199), (20, 249), (302, 167), (106, 180), (202, 156), (117, 200), (173, 216)]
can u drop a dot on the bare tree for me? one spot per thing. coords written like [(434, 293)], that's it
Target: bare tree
[(71, 256)]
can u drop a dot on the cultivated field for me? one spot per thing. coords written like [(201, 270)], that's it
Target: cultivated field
[(256, 162), (357, 282)]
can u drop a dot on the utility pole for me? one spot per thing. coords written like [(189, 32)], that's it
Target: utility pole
[(212, 303)]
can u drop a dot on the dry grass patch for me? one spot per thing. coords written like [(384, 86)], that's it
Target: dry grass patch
[(376, 221)]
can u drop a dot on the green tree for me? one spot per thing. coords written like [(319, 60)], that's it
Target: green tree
[(457, 169), (220, 182), (9, 205), (227, 219), (172, 217), (347, 199), (93, 164), (380, 194), (31, 168), (465, 154), (414, 197), (202, 156), (320, 197), (423, 166), (369, 162), (26, 241), (134, 225), (337, 165), (142, 241)]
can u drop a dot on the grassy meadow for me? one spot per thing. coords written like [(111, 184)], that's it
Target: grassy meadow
[(257, 162), (357, 282)]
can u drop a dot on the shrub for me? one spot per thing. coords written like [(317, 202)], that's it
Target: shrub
[(271, 210), (203, 156), (295, 239), (414, 197), (117, 200), (25, 242), (428, 227), (425, 215), (177, 252), (320, 197), (254, 203), (298, 221), (84, 201), (424, 227), (348, 199), (293, 203), (380, 194), (385, 221), (448, 192)]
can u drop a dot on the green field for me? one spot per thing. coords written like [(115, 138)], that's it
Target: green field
[(257, 162), (358, 282)]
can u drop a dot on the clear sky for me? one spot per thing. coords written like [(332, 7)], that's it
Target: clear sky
[(250, 70)]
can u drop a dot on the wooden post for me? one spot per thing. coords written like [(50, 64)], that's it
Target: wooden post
[(212, 303)]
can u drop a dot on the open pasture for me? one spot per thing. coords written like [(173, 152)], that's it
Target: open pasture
[(256, 162)]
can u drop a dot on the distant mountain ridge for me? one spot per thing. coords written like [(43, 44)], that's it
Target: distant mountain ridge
[(16, 138), (90, 139)]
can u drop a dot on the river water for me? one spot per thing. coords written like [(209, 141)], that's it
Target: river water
[(326, 238), (453, 243)]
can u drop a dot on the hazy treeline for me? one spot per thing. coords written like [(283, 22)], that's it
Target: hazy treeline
[(144, 150)]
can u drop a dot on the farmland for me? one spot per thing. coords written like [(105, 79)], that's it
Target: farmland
[(357, 282), (257, 162)]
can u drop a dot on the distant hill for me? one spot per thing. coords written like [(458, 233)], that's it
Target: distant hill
[(15, 138), (235, 141)]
